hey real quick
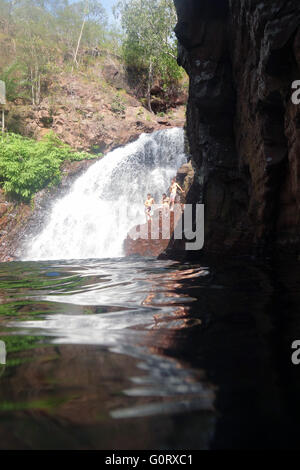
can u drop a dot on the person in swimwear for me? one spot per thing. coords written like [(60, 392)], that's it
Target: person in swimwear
[(165, 202), (148, 206), (173, 193)]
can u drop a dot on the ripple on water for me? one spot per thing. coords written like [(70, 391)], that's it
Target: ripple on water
[(122, 306)]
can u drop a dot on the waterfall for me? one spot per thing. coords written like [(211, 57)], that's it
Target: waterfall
[(103, 204)]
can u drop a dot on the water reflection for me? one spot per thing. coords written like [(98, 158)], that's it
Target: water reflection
[(149, 354), (105, 320), (128, 331)]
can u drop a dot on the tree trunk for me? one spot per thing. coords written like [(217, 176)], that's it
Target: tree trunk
[(149, 86), (38, 93), (81, 31), (32, 87)]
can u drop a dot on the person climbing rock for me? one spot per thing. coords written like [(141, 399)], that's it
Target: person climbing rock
[(148, 206), (173, 193)]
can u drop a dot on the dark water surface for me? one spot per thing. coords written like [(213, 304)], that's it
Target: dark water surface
[(145, 354)]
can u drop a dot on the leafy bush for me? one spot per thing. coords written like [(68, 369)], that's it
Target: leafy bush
[(118, 106), (9, 76), (26, 165)]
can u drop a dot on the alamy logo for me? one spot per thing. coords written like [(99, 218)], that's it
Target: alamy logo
[(187, 225), (2, 353), (296, 94), (296, 354)]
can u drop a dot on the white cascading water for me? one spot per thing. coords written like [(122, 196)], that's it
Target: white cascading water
[(93, 219)]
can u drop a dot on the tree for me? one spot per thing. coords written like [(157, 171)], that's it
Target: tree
[(86, 12), (79, 24), (149, 38), (36, 34), (34, 42)]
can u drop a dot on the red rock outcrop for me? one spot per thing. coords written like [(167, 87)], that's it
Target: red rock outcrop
[(152, 238), (243, 129), (96, 110)]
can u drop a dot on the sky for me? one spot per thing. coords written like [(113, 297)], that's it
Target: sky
[(108, 6)]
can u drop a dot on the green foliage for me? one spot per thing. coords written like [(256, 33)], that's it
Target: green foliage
[(26, 165), (117, 105), (9, 76), (39, 39), (37, 35), (150, 42)]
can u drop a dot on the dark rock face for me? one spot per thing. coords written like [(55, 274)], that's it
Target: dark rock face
[(242, 57)]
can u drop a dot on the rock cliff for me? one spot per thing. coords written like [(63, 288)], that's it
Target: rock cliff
[(242, 57), (95, 111)]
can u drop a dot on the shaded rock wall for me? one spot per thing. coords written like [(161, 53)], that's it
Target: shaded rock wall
[(243, 129)]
